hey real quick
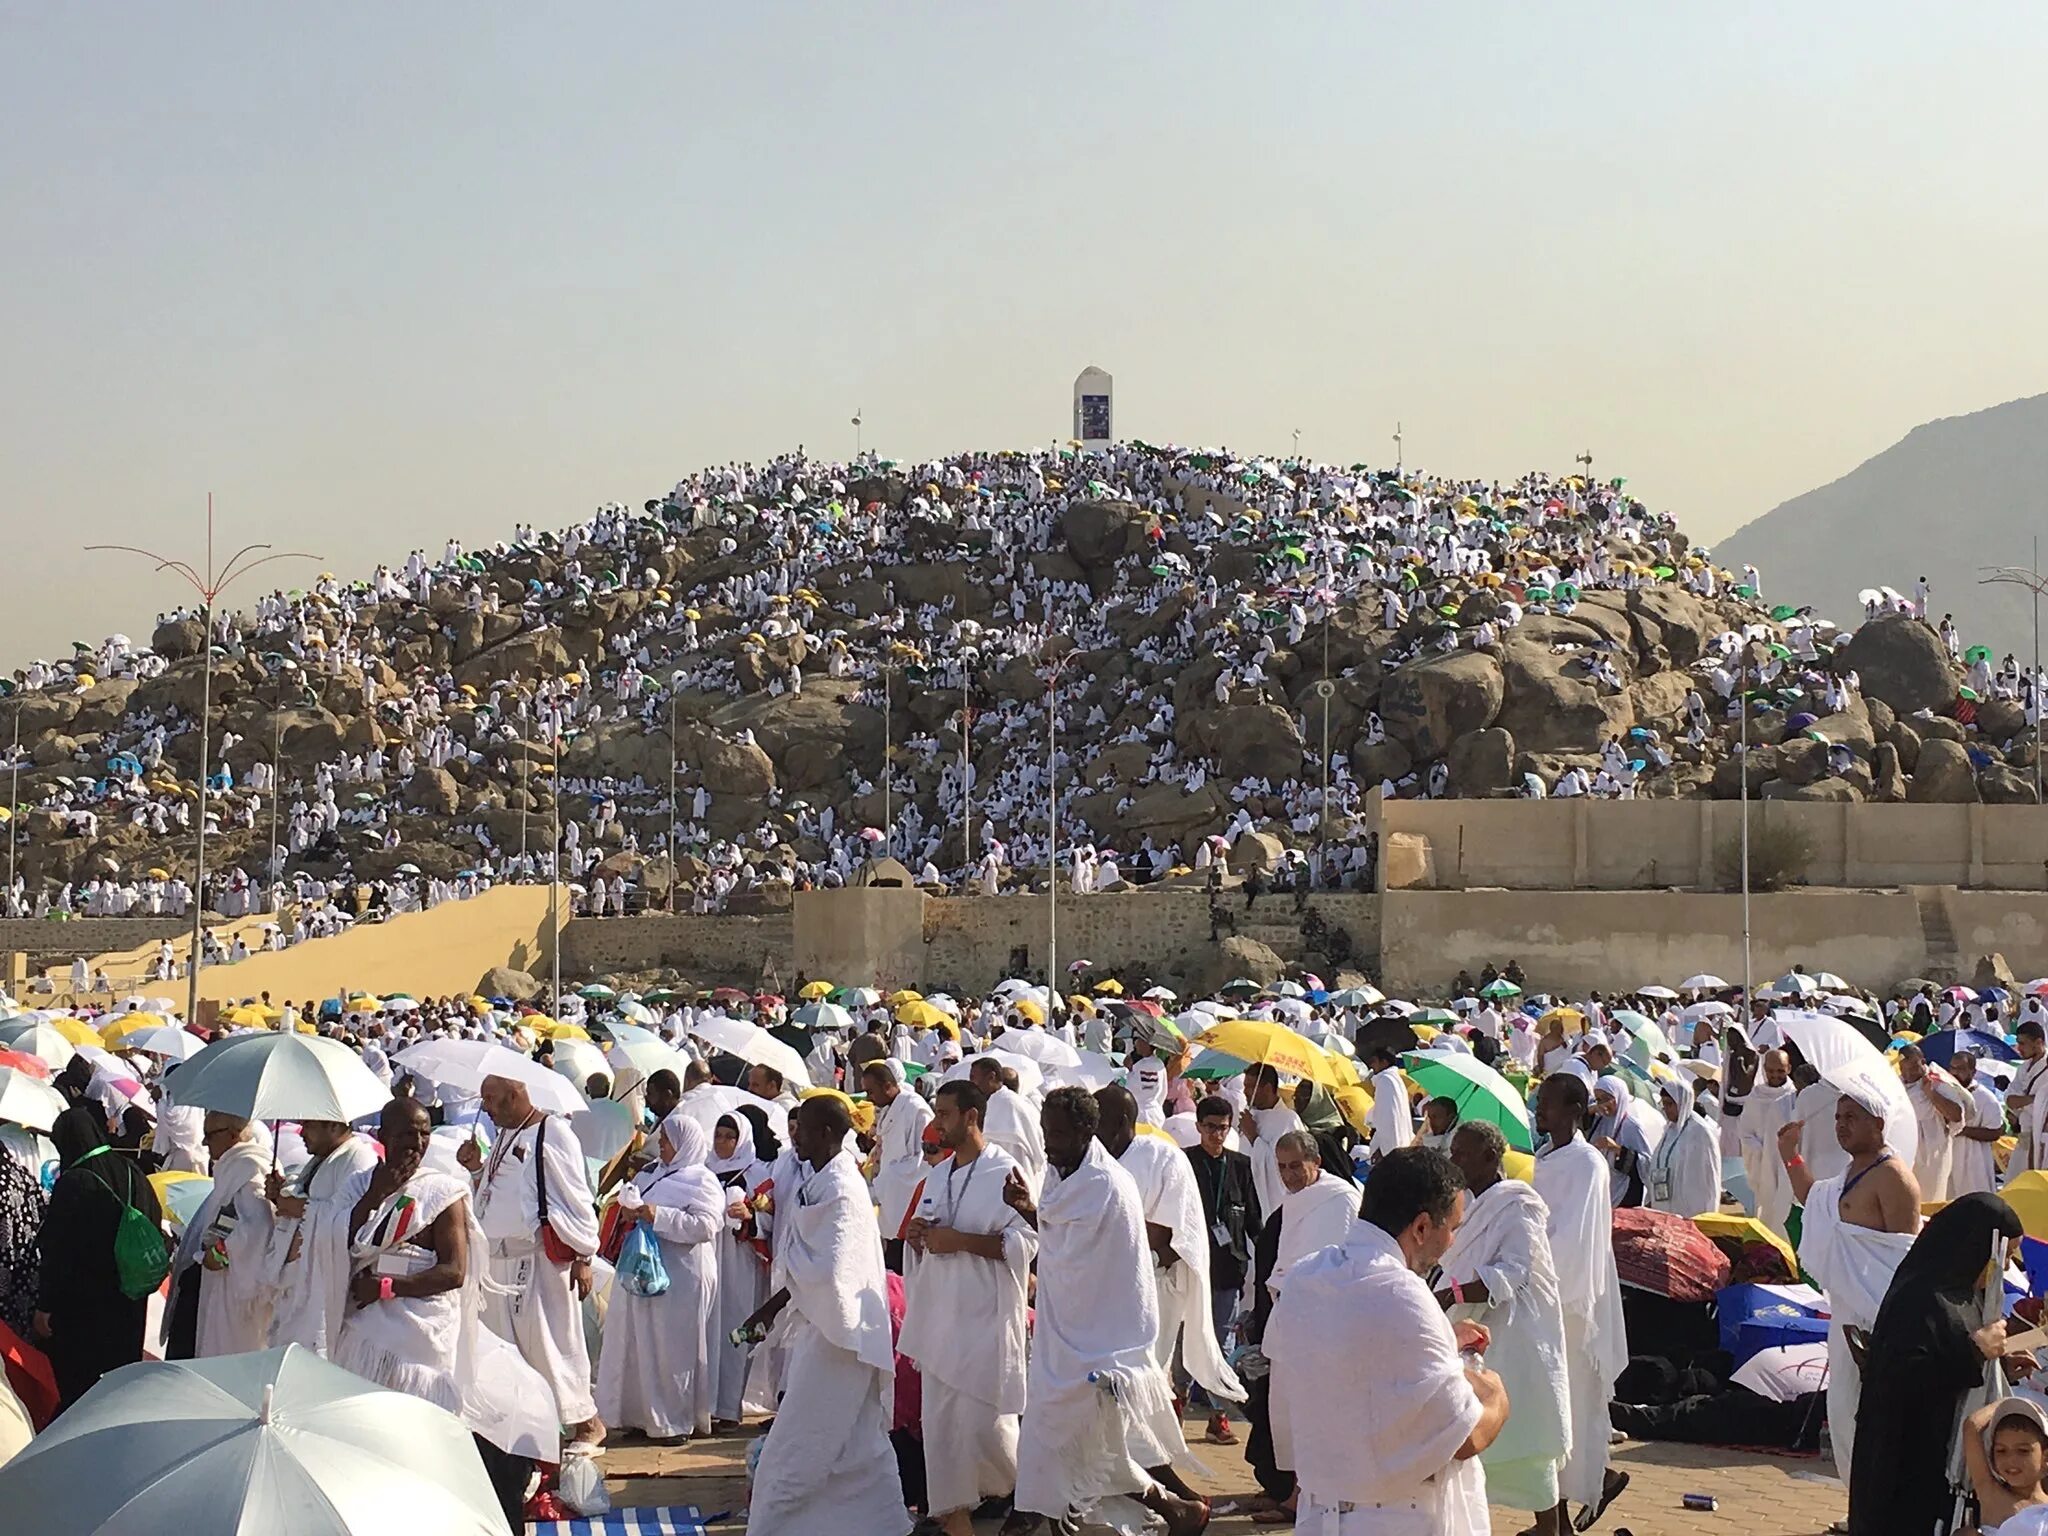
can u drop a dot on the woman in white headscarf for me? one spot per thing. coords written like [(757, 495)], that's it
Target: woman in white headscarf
[(654, 1371), (1684, 1174), (1625, 1134), (742, 1268)]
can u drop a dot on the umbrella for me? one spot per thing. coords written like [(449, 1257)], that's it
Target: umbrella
[(1662, 994), (278, 1440), (181, 1194), (28, 1101), (1709, 1010), (1479, 1092), (1357, 997), (822, 1016), (1046, 1050), (464, 1064), (1500, 988), (1828, 981), (1796, 984), (1441, 1017), (580, 1060), (1277, 1046), (598, 991), (167, 1040), (1289, 989), (21, 1061), (814, 990), (1393, 1034), (1844, 1058), (856, 997), (38, 1039), (706, 1103), (604, 1130), (281, 1077), (921, 1015), (1941, 1047), (648, 1055), (1703, 983), (751, 1043)]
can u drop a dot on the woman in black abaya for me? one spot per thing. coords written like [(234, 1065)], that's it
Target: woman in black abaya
[(1927, 1349), (83, 1321)]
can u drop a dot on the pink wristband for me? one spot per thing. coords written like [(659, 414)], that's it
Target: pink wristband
[(384, 1288), (1457, 1292)]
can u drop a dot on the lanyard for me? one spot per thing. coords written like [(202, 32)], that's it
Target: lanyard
[(953, 1200), (498, 1154), (1881, 1157)]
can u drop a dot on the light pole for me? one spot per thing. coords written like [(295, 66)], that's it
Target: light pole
[(1397, 447), (1742, 703), (856, 434), (1052, 835), (209, 586), (2028, 576), (13, 800), (888, 805), (276, 767), (673, 861), (966, 765)]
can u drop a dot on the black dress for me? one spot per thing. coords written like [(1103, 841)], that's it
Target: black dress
[(94, 1328), (1920, 1363)]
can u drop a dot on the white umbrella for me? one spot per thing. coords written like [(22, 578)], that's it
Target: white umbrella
[(578, 1060), (1698, 1011), (1844, 1058), (1703, 983), (33, 1037), (274, 1441), (16, 1429), (29, 1101), (649, 1056), (1796, 984), (1663, 994), (464, 1064), (705, 1103), (752, 1043), (826, 1016), (1289, 989), (1828, 981), (1160, 995), (1046, 1050), (1094, 1070), (281, 1077), (638, 1012), (166, 1040)]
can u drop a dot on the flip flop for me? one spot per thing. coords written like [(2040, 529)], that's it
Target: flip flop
[(1591, 1517)]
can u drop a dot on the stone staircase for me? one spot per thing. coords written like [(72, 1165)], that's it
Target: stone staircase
[(1937, 935), (1278, 929)]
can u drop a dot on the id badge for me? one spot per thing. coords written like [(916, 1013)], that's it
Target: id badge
[(1660, 1188), (1219, 1234)]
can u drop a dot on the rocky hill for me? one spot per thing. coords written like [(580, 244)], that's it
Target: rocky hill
[(1477, 640), (1946, 500)]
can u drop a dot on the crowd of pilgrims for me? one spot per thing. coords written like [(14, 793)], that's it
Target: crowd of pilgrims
[(998, 1264), (790, 539)]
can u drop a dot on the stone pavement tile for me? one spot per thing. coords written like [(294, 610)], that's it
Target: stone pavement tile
[(1759, 1495)]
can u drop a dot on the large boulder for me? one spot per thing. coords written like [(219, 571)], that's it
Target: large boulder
[(1256, 741), (2000, 720), (433, 790), (729, 767), (178, 638), (1234, 958), (1430, 704), (1100, 533), (1550, 706), (1672, 619), (101, 706), (40, 713), (1902, 662), (1384, 759), (2003, 785), (1256, 850), (1482, 762), (504, 981), (1943, 775), (1888, 779)]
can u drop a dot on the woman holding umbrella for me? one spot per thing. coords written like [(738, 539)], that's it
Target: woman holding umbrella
[(83, 1320)]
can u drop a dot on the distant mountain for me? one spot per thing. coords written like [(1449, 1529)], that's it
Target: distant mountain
[(1946, 500)]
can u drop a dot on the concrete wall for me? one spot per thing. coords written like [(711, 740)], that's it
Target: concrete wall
[(1586, 844), (46, 942), (2015, 926), (738, 950), (1569, 940), (428, 954)]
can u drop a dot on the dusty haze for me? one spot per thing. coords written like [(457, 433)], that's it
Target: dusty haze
[(381, 275)]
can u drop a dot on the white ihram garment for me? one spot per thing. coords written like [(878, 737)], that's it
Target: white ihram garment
[(964, 1325), (826, 1468), (532, 1303), (1012, 1125), (900, 1134), (742, 1277), (309, 1308), (1171, 1199), (1572, 1179), (1314, 1217), (1854, 1266)]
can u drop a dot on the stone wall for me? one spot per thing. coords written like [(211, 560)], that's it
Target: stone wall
[(713, 950), (1586, 844)]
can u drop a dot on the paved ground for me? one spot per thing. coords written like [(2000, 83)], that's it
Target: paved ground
[(1759, 1495)]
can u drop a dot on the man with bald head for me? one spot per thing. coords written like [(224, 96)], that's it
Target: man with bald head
[(826, 1468), (539, 1222), (1766, 1109), (1855, 1229)]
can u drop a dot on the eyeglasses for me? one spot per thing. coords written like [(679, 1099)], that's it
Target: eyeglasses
[(1213, 1127)]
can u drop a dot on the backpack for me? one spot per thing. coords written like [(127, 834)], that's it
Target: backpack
[(140, 1260)]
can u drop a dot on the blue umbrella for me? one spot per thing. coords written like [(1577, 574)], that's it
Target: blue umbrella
[(1940, 1048)]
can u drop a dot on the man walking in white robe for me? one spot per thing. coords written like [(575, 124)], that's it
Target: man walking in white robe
[(1011, 1124), (1572, 1179), (1940, 1109), (826, 1468), (1179, 1242), (899, 1148), (224, 1250), (1099, 1420), (1973, 1165), (1267, 1117), (1391, 1417), (965, 1276), (1498, 1273), (535, 1177), (307, 1312), (1765, 1109), (1393, 1126)]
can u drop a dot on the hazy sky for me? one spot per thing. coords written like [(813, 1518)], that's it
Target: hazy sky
[(375, 274)]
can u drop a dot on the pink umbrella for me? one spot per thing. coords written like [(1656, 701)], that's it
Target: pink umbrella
[(871, 834)]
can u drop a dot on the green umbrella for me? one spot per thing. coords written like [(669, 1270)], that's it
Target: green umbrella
[(1500, 988), (1214, 1066), (1977, 653), (1441, 1018), (596, 991), (1784, 611), (1968, 693), (1536, 594), (1479, 1092), (1665, 573)]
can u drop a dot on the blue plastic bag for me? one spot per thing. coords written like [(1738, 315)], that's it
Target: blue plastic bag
[(640, 1269)]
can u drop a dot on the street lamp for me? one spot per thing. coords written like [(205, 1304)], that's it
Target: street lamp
[(13, 797), (1052, 835), (967, 660), (2028, 576), (209, 586)]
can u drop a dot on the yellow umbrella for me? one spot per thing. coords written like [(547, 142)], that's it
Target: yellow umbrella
[(1275, 1045), (815, 989), (921, 1015), (1083, 1004), (307, 1027), (1110, 985), (245, 1018), (77, 1031), (905, 996), (1028, 1009), (159, 874), (1747, 1229), (555, 1029), (1518, 1165), (1566, 1016), (1356, 1105), (131, 1024), (2027, 1194)]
